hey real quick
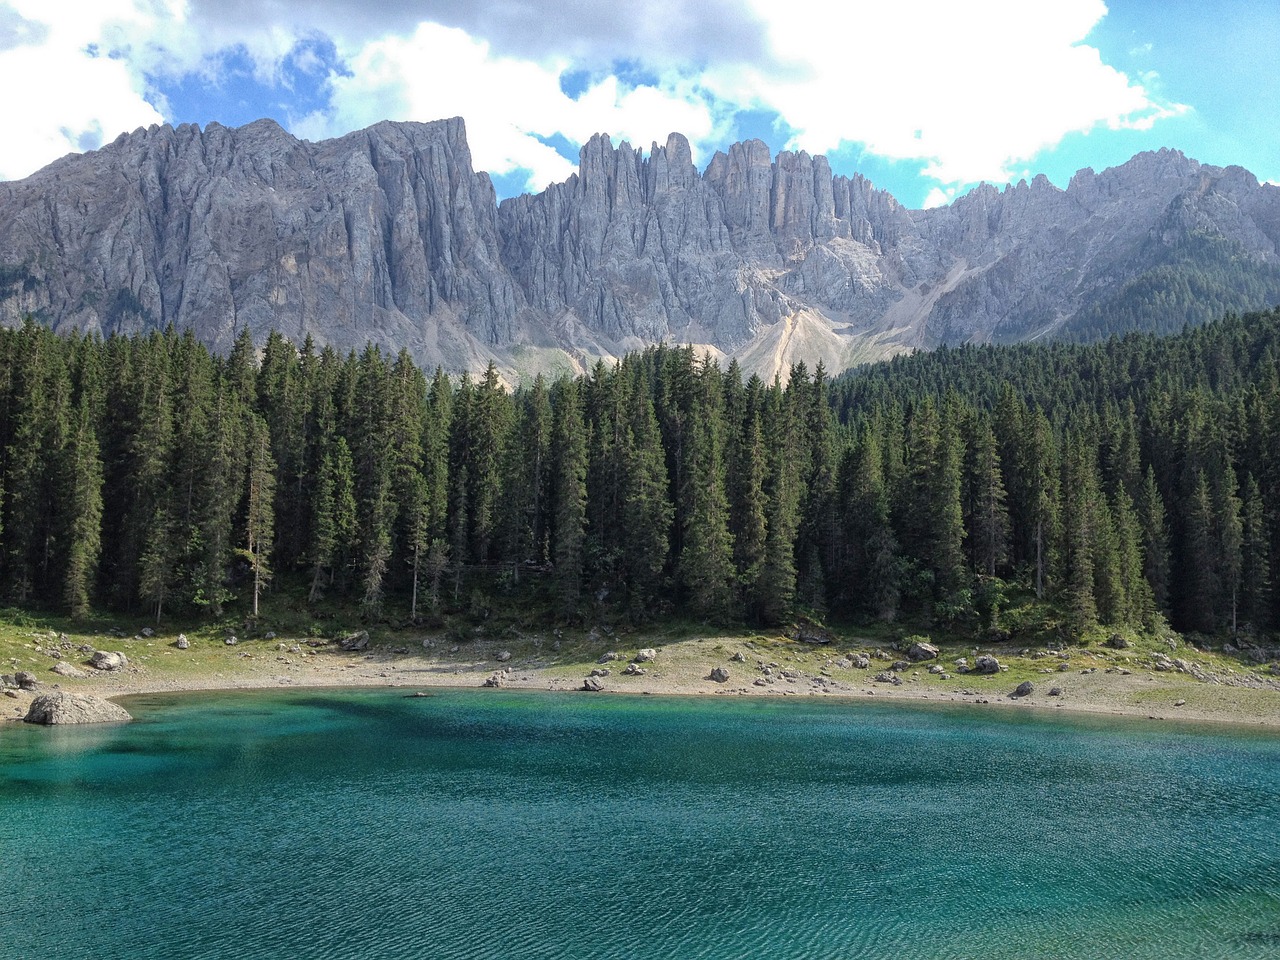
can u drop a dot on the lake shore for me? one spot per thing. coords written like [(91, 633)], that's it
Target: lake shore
[(1094, 680)]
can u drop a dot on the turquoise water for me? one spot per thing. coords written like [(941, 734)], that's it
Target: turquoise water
[(501, 824)]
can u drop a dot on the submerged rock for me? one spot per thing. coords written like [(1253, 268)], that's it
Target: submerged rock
[(55, 708)]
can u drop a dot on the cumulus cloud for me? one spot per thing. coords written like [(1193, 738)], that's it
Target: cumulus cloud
[(512, 106), (592, 34), (970, 90), (64, 93)]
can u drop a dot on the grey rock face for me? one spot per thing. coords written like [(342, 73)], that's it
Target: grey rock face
[(74, 708), (985, 663), (355, 642), (387, 235), (107, 660)]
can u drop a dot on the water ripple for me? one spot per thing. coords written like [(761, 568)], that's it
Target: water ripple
[(475, 827)]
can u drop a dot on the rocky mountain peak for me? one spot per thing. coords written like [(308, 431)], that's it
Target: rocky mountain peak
[(389, 235)]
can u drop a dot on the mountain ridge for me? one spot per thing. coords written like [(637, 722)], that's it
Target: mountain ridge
[(388, 235)]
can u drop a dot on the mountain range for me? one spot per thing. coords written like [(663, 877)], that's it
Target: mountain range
[(389, 236)]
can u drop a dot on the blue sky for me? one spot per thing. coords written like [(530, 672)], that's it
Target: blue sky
[(926, 98)]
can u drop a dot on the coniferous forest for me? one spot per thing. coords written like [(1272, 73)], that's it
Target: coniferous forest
[(1124, 484)]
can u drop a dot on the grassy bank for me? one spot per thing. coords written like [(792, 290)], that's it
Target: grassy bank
[(1151, 676)]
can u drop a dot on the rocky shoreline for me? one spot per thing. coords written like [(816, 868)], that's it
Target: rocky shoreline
[(1157, 685)]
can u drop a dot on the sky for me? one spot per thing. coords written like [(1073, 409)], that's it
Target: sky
[(925, 98)]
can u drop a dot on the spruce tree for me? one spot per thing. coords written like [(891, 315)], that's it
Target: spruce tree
[(647, 513), (706, 563), (569, 447), (259, 528), (83, 498)]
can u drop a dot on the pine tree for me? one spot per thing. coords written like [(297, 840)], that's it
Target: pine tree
[(333, 525), (745, 487), (83, 497), (774, 591), (647, 513), (1079, 535), (986, 516), (1155, 542), (706, 564), (569, 446), (260, 506), (1197, 555), (1255, 572)]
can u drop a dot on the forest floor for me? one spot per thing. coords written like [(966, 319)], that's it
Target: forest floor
[(1163, 680)]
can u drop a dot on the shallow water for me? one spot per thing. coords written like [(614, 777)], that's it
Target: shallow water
[(505, 824)]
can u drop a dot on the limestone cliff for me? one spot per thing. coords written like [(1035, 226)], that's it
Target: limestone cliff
[(388, 235)]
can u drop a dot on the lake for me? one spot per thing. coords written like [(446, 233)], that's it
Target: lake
[(508, 824)]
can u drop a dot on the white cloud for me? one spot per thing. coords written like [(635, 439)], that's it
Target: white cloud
[(969, 88), (508, 103), (63, 95)]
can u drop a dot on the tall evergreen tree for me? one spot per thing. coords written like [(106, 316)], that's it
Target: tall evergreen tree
[(570, 494), (260, 506), (706, 563)]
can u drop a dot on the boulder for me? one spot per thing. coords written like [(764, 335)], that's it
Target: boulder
[(74, 708), (811, 633), (592, 684), (634, 670), (647, 655), (148, 632), (26, 680), (885, 676), (503, 656), (182, 643), (599, 672), (720, 675), (860, 661), (609, 657), (494, 681), (1025, 689), (1117, 641), (354, 642), (922, 650), (985, 663), (64, 669), (1055, 691), (108, 660), (739, 657)]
